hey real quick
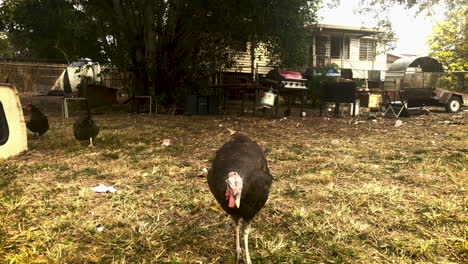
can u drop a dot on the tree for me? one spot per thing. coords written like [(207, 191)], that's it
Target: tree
[(166, 44), (376, 9), (162, 46), (449, 42), (48, 29), (6, 51)]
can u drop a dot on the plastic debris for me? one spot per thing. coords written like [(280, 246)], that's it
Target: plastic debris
[(398, 123), (231, 131), (166, 142), (101, 188), (99, 228), (205, 170)]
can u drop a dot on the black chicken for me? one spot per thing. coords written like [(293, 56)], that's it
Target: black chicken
[(38, 124), (85, 128), (240, 181)]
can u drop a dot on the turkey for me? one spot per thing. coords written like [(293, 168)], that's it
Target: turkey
[(38, 124), (85, 128), (240, 181)]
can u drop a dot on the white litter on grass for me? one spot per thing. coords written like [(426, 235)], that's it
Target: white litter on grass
[(398, 123), (99, 228), (359, 122), (101, 188), (166, 142), (205, 170)]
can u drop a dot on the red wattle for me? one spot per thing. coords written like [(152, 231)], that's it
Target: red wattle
[(232, 203)]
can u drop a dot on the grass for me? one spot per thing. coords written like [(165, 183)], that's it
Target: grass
[(343, 192)]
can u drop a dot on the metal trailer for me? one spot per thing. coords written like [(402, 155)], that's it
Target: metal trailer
[(420, 78)]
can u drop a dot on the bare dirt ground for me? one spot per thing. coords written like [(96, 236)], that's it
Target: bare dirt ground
[(344, 191)]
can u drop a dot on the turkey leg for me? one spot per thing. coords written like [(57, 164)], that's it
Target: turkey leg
[(245, 232), (238, 247)]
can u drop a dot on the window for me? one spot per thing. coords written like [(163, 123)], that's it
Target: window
[(321, 46), (336, 49), (366, 49), (4, 131)]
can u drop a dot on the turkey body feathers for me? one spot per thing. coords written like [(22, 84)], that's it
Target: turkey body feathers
[(245, 157), (38, 123), (85, 128)]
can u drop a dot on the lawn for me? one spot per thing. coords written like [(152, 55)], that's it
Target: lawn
[(344, 191)]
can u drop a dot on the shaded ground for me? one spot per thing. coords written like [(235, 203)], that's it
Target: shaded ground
[(345, 191)]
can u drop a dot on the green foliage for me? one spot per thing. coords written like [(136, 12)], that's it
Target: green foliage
[(449, 45), (6, 50), (52, 29), (160, 46), (377, 9)]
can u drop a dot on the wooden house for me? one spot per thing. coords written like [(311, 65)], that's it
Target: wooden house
[(353, 48)]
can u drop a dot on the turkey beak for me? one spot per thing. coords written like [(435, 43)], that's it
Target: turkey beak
[(237, 199)]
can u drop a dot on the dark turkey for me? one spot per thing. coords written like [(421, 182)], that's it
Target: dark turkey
[(38, 123), (240, 181), (85, 128)]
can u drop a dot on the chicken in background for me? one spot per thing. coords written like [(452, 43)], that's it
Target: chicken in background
[(38, 123), (85, 128)]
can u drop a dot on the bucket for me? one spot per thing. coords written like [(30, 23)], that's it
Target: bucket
[(356, 109), (268, 99)]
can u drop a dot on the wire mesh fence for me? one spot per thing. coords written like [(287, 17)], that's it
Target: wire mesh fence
[(39, 77), (49, 105)]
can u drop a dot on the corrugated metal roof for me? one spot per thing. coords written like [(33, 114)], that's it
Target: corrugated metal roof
[(426, 63)]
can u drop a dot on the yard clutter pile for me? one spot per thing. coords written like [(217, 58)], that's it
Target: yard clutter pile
[(71, 78)]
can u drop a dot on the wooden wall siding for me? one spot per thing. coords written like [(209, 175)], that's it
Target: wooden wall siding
[(359, 67), (243, 61), (354, 49)]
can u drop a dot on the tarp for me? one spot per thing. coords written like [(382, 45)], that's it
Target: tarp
[(13, 138), (70, 79)]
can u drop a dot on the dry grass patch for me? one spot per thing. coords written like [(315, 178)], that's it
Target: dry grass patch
[(343, 192)]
